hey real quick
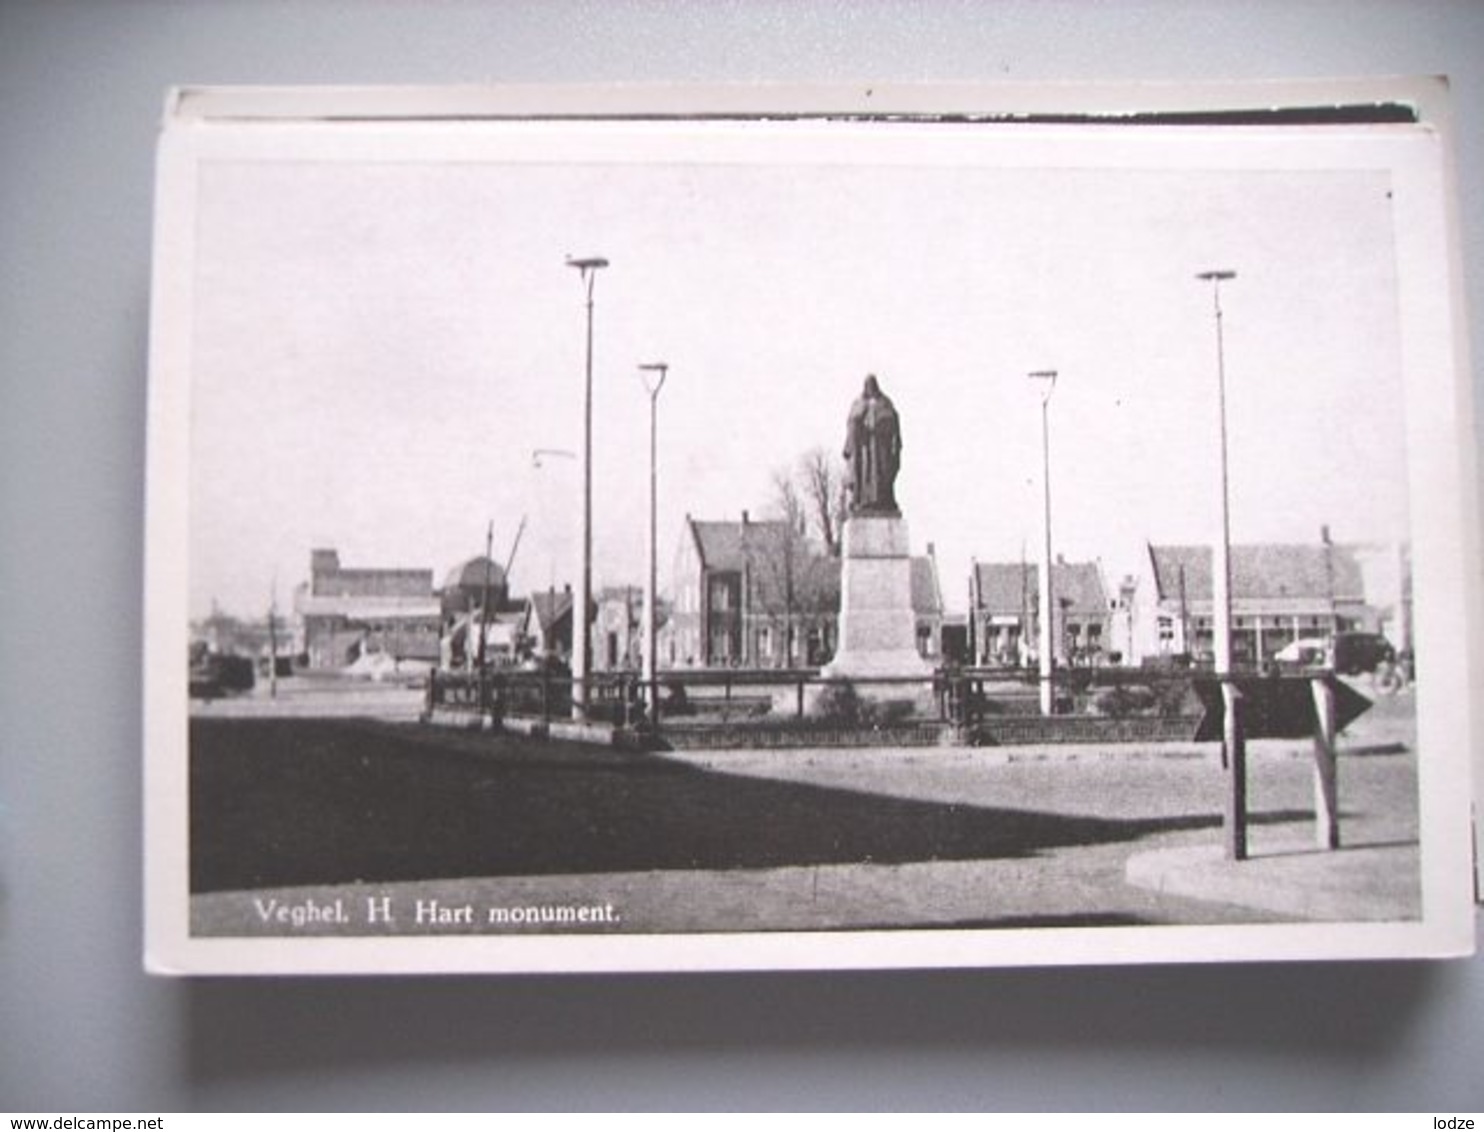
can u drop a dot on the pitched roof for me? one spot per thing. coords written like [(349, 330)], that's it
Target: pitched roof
[(927, 595), (1265, 570), (1011, 587), (773, 554), (728, 545), (551, 607), (815, 579)]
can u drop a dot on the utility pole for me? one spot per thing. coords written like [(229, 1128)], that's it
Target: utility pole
[(484, 601)]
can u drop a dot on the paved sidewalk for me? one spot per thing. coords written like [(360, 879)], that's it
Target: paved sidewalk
[(1369, 882), (965, 894), (1105, 837), (1189, 884)]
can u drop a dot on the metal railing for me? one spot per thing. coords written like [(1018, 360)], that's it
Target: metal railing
[(962, 696)]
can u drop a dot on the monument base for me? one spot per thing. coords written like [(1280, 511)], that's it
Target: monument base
[(878, 629)]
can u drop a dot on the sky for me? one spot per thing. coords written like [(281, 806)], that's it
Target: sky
[(381, 337)]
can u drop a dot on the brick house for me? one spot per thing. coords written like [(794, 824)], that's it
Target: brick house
[(1005, 614), (1279, 593), (761, 594)]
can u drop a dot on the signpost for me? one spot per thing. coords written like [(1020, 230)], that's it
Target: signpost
[(1290, 707)]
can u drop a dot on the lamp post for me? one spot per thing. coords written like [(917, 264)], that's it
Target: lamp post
[(1234, 749), (1048, 610), (588, 269), (652, 374)]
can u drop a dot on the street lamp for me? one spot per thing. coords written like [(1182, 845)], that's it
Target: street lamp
[(1221, 605), (652, 374), (588, 269), (1221, 573), (539, 456), (1048, 611)]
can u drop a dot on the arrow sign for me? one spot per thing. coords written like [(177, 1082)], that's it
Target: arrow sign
[(1276, 707)]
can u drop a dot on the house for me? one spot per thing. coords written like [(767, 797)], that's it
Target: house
[(762, 594), (546, 623), (1279, 593), (618, 628), (345, 613), (501, 631), (462, 600), (927, 605), (1005, 614)]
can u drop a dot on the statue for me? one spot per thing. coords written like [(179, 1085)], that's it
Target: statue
[(873, 448)]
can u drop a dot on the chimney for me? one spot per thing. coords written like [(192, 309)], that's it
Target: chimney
[(932, 550), (746, 518)]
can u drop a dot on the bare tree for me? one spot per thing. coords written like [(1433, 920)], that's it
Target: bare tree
[(793, 563), (822, 477), (787, 504), (780, 561)]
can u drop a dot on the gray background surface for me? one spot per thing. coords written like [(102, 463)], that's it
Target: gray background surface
[(81, 1028)]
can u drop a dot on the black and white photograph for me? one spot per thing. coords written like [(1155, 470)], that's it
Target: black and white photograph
[(746, 541)]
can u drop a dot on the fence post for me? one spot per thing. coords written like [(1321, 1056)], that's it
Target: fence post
[(801, 697), (1326, 766)]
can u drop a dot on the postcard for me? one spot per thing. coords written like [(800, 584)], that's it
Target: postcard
[(672, 529)]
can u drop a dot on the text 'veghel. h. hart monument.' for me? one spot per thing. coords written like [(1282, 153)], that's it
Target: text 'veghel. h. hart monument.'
[(877, 629)]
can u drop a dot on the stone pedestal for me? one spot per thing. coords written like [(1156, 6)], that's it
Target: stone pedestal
[(878, 632)]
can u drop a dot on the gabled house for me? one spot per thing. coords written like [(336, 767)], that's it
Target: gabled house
[(547, 625), (1005, 613), (501, 631), (462, 597), (1279, 593), (762, 594), (617, 640), (927, 605)]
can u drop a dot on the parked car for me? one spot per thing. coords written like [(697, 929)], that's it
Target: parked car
[(1349, 653), (1306, 652), (214, 674), (1355, 653)]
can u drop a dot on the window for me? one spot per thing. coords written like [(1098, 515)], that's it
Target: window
[(924, 640)]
